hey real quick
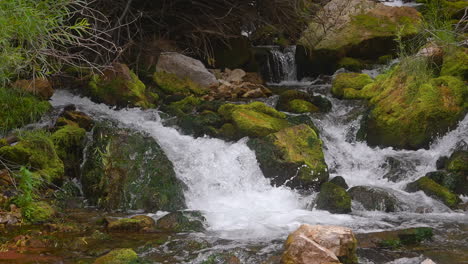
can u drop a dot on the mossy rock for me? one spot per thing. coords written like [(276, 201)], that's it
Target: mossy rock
[(351, 64), (455, 182), (69, 142), (121, 87), (434, 190), (254, 120), (334, 199), (19, 108), (128, 170), (292, 156), (40, 212), (374, 198), (456, 63), (187, 221), (458, 162), (344, 82), (171, 84), (119, 256), (296, 102), (396, 238), (182, 107), (198, 125), (340, 181), (36, 150), (133, 224), (407, 112), (75, 118)]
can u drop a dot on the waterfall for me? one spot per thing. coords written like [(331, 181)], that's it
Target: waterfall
[(226, 184), (281, 64)]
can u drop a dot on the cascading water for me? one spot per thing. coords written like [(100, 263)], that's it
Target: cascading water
[(281, 64)]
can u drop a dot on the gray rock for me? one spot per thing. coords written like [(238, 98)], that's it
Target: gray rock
[(374, 198)]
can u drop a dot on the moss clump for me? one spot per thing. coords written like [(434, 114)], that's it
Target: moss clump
[(118, 256), (254, 119), (435, 190), (300, 106), (40, 212), (458, 162), (292, 156), (121, 87), (334, 199), (19, 109), (351, 64), (184, 106), (408, 111), (133, 224), (298, 102), (37, 151), (349, 81), (456, 63), (68, 142), (181, 222), (170, 84)]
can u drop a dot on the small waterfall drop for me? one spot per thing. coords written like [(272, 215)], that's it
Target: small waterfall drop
[(281, 64)]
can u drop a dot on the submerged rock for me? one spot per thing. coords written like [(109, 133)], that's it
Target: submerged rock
[(118, 256), (319, 245), (434, 190), (187, 221), (292, 156), (121, 87), (395, 238), (374, 198), (128, 170), (133, 224), (334, 199)]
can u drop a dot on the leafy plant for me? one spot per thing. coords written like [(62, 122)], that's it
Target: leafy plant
[(27, 186)]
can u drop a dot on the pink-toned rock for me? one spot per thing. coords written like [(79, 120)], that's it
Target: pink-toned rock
[(320, 245)]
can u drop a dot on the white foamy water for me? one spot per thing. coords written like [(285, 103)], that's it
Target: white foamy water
[(225, 182), (398, 3)]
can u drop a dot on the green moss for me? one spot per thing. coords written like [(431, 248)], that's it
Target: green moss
[(121, 90), (435, 190), (40, 212), (292, 156), (181, 222), (408, 110), (118, 256), (298, 102), (35, 150), (458, 162), (170, 84), (351, 64), (133, 224), (301, 106), (19, 109), (456, 63), (69, 145), (334, 199), (385, 59), (184, 106), (355, 81)]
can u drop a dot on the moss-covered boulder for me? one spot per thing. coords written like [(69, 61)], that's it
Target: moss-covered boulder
[(182, 107), (69, 142), (186, 221), (408, 111), (254, 119), (292, 156), (434, 190), (121, 87), (345, 84), (35, 150), (297, 102), (200, 124), (458, 162), (374, 198), (171, 84), (351, 64), (118, 256), (455, 182), (19, 108), (455, 63), (334, 199), (363, 30), (133, 224), (128, 170), (74, 118)]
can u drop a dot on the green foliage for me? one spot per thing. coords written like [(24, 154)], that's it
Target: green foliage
[(34, 34), (18, 108), (27, 185)]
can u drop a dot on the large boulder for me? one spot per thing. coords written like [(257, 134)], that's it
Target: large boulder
[(128, 170), (121, 87), (334, 199), (455, 175), (320, 245), (408, 111), (185, 68), (345, 84), (374, 198), (357, 29), (254, 120), (434, 190), (292, 156)]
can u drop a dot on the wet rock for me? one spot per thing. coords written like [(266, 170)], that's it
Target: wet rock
[(395, 238), (69, 142), (222, 258), (458, 162), (172, 85), (434, 190), (188, 221), (185, 68), (11, 217), (237, 84), (40, 87), (340, 181), (133, 224), (428, 261), (345, 85), (455, 182), (128, 170), (118, 256), (292, 156), (254, 119), (296, 102), (121, 87), (374, 198), (331, 37), (441, 162), (334, 199), (320, 244), (75, 118)]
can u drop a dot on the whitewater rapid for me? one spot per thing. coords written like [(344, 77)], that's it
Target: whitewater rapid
[(226, 184)]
